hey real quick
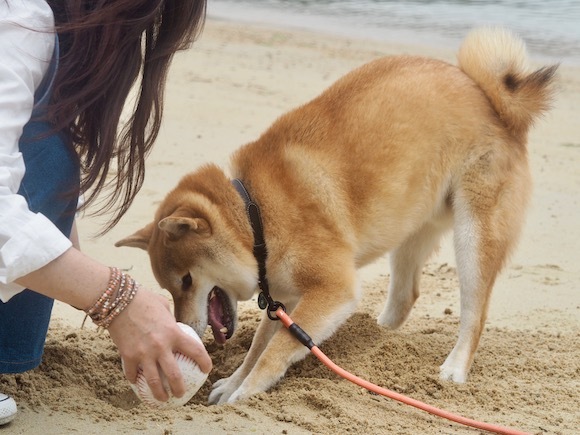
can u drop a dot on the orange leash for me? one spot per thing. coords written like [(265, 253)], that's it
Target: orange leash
[(307, 341)]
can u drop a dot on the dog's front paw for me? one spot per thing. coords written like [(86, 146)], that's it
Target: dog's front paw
[(227, 390), (222, 390), (245, 391), (390, 320), (452, 372), (239, 394), (219, 382)]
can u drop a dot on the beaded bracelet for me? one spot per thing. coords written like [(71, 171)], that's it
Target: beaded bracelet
[(112, 286), (120, 291)]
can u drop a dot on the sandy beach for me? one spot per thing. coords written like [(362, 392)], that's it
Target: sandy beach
[(223, 93)]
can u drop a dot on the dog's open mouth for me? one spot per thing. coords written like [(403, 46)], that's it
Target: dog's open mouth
[(219, 315)]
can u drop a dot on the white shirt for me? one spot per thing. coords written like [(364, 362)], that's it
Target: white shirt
[(28, 241)]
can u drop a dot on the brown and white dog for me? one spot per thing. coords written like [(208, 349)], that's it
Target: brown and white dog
[(387, 159)]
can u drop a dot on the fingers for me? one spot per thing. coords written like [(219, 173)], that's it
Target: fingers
[(173, 375), (195, 350), (166, 373), (191, 348), (160, 376), (130, 370), (168, 363), (199, 354), (147, 336)]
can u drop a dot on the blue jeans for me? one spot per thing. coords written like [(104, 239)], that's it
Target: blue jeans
[(52, 174)]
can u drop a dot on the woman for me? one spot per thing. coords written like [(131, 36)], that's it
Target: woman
[(61, 100)]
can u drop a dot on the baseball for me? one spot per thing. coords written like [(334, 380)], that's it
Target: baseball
[(193, 378)]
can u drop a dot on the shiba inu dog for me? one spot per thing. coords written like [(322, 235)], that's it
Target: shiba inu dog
[(388, 159)]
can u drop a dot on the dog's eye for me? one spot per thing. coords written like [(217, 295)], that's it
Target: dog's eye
[(186, 282)]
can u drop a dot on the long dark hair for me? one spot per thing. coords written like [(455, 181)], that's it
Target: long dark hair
[(108, 47)]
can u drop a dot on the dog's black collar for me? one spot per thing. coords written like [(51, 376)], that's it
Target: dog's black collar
[(260, 250)]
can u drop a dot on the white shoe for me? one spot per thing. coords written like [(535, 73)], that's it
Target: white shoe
[(7, 409)]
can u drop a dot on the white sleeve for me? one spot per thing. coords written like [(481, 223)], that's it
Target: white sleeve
[(28, 240)]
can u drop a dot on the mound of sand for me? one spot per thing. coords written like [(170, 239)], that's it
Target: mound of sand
[(521, 379)]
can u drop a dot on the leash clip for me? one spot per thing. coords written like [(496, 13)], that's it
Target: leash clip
[(265, 302), (273, 307)]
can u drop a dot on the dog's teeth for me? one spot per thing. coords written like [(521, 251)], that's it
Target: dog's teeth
[(224, 330), (211, 296)]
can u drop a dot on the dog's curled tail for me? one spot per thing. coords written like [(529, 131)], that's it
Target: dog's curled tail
[(497, 60)]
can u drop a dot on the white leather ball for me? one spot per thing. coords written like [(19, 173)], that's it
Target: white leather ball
[(193, 378)]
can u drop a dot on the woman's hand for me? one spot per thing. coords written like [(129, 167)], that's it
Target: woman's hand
[(147, 337), (145, 332)]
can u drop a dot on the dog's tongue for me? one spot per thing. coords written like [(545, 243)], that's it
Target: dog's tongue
[(215, 316)]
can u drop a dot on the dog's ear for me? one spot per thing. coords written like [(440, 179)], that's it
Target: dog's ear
[(138, 240), (176, 226)]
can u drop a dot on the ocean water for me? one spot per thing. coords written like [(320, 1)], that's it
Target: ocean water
[(551, 28)]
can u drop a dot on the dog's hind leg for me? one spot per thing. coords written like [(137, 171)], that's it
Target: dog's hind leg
[(406, 264), (488, 212)]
